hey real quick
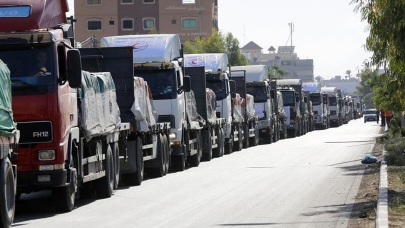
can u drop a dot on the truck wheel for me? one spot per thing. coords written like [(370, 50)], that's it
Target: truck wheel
[(268, 138), (221, 142), (166, 153), (216, 152), (7, 194), (207, 146), (116, 160), (135, 179), (229, 145), (64, 197), (253, 141), (196, 158), (159, 169), (239, 145), (246, 136), (105, 185)]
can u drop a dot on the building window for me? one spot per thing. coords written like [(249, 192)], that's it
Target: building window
[(148, 23), (127, 1), (189, 23), (111, 22), (148, 1), (174, 21), (93, 2), (188, 1), (127, 24), (94, 25)]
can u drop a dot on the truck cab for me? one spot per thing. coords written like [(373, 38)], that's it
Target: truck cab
[(292, 109)]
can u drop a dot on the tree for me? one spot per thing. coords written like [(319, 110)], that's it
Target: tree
[(275, 72), (318, 79), (218, 43), (386, 21), (348, 73)]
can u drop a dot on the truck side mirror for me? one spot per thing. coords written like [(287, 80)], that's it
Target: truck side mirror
[(186, 83), (272, 93), (74, 64), (232, 85)]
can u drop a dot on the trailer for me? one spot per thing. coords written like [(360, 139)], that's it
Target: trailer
[(213, 131), (146, 146), (9, 136)]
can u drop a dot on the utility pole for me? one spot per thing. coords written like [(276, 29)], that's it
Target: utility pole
[(291, 46)]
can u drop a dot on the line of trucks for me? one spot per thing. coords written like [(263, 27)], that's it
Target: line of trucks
[(90, 119)]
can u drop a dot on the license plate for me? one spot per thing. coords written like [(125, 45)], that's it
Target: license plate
[(263, 130)]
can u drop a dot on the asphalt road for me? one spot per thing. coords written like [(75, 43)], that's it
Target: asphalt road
[(308, 181)]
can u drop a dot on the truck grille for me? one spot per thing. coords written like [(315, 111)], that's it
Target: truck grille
[(333, 112), (165, 119), (35, 132)]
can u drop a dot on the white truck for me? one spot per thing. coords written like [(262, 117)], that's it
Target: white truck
[(291, 109), (218, 80), (159, 60), (333, 105), (258, 85)]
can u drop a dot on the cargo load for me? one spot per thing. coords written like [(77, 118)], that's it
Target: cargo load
[(194, 118), (7, 125), (237, 108), (211, 62), (147, 48), (250, 107), (100, 114), (211, 106), (254, 73), (143, 105)]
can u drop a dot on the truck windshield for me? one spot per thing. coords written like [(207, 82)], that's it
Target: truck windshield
[(259, 92), (162, 83), (332, 101), (219, 89), (316, 99), (29, 64), (288, 98)]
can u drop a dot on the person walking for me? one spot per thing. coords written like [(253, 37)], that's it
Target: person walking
[(378, 115), (388, 116), (382, 118)]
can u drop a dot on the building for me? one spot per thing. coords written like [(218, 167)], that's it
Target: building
[(348, 86), (285, 58), (188, 18)]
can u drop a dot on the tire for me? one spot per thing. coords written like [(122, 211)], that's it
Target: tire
[(159, 169), (229, 145), (64, 197), (116, 160), (7, 194), (196, 159), (275, 133), (207, 146), (221, 142), (254, 140), (246, 136), (135, 179), (268, 138), (166, 153), (239, 145), (293, 134), (105, 185), (216, 152)]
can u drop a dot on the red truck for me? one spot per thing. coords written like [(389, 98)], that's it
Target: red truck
[(66, 144)]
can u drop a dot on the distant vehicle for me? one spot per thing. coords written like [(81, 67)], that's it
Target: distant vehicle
[(370, 115)]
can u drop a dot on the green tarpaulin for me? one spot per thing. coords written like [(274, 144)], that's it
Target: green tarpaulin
[(7, 125)]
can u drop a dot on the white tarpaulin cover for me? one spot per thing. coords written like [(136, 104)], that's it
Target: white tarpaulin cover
[(100, 114), (237, 108), (250, 110), (143, 105), (254, 73), (211, 62), (191, 109), (148, 48), (211, 106)]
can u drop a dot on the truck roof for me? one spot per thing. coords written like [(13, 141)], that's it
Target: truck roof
[(213, 62), (329, 90), (17, 15), (311, 86), (148, 48), (289, 82), (254, 73)]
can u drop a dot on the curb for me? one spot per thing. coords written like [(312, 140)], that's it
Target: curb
[(382, 203)]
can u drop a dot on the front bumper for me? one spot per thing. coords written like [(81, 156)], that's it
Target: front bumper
[(28, 181)]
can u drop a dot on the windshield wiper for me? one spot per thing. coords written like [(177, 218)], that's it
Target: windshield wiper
[(15, 82)]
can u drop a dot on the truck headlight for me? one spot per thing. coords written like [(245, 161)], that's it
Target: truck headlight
[(46, 155), (173, 136)]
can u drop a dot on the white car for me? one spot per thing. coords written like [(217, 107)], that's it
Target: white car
[(370, 115)]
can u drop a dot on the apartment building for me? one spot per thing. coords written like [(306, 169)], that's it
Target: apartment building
[(188, 18)]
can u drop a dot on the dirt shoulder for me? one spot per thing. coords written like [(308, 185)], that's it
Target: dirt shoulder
[(396, 196), (364, 209)]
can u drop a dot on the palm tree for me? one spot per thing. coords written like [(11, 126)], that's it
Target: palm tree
[(348, 73)]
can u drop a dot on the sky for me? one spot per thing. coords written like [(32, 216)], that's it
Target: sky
[(327, 31)]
